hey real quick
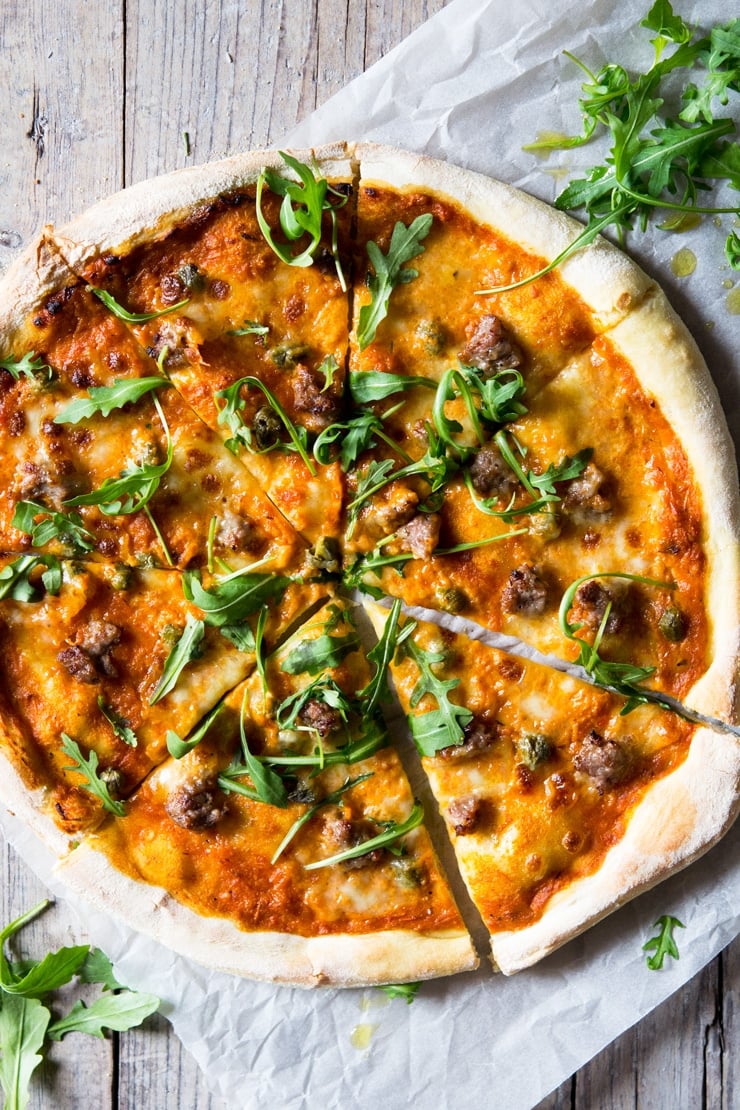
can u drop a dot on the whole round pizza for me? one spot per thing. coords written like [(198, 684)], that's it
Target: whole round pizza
[(289, 437)]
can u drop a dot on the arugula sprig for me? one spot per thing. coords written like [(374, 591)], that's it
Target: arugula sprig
[(179, 748), (389, 271), (329, 800), (68, 528), (94, 783), (136, 486), (104, 399), (407, 991), (377, 689), (664, 943), (267, 785), (392, 833), (242, 434), (25, 1020), (444, 726), (15, 578), (655, 160), (187, 648), (233, 598), (622, 677), (121, 727), (132, 317), (27, 366), (304, 203), (366, 387)]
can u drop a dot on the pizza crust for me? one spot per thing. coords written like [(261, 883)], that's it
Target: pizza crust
[(676, 821), (670, 367), (149, 209), (341, 960)]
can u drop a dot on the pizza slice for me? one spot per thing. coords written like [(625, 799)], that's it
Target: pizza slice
[(100, 664), (565, 497), (103, 458), (244, 267), (285, 842), (559, 805)]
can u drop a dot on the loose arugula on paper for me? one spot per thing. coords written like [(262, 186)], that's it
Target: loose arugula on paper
[(657, 161), (25, 1018), (95, 783), (664, 943)]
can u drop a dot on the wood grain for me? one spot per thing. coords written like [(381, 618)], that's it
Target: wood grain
[(101, 95)]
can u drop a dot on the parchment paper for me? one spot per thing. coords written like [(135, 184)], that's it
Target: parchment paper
[(471, 85)]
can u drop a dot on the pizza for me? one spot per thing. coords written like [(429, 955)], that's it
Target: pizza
[(294, 437)]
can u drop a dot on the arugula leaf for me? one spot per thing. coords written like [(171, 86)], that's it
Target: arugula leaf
[(28, 365), (304, 202), (119, 724), (241, 636), (664, 944), (669, 27), (235, 597), (132, 317), (97, 968), (439, 728), (380, 656), (23, 1024), (185, 650), (389, 270), (105, 398), (118, 1012), (368, 386), (15, 580), (393, 832), (179, 748), (329, 800), (321, 654), (230, 415), (89, 768), (135, 487), (356, 434), (68, 528), (329, 367), (408, 991), (56, 969), (268, 786)]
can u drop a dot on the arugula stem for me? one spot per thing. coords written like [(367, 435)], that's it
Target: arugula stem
[(394, 446), (148, 513)]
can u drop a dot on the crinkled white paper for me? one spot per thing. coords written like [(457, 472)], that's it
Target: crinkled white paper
[(472, 85)]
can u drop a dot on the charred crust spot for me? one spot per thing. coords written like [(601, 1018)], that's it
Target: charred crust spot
[(511, 669), (196, 459)]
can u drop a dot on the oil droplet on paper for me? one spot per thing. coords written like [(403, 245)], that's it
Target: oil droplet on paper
[(361, 1036), (682, 221), (733, 302), (683, 262)]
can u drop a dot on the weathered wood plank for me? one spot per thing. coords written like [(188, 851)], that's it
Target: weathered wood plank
[(61, 88), (77, 1066)]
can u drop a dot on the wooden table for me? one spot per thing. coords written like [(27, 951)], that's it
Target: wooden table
[(99, 95)]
